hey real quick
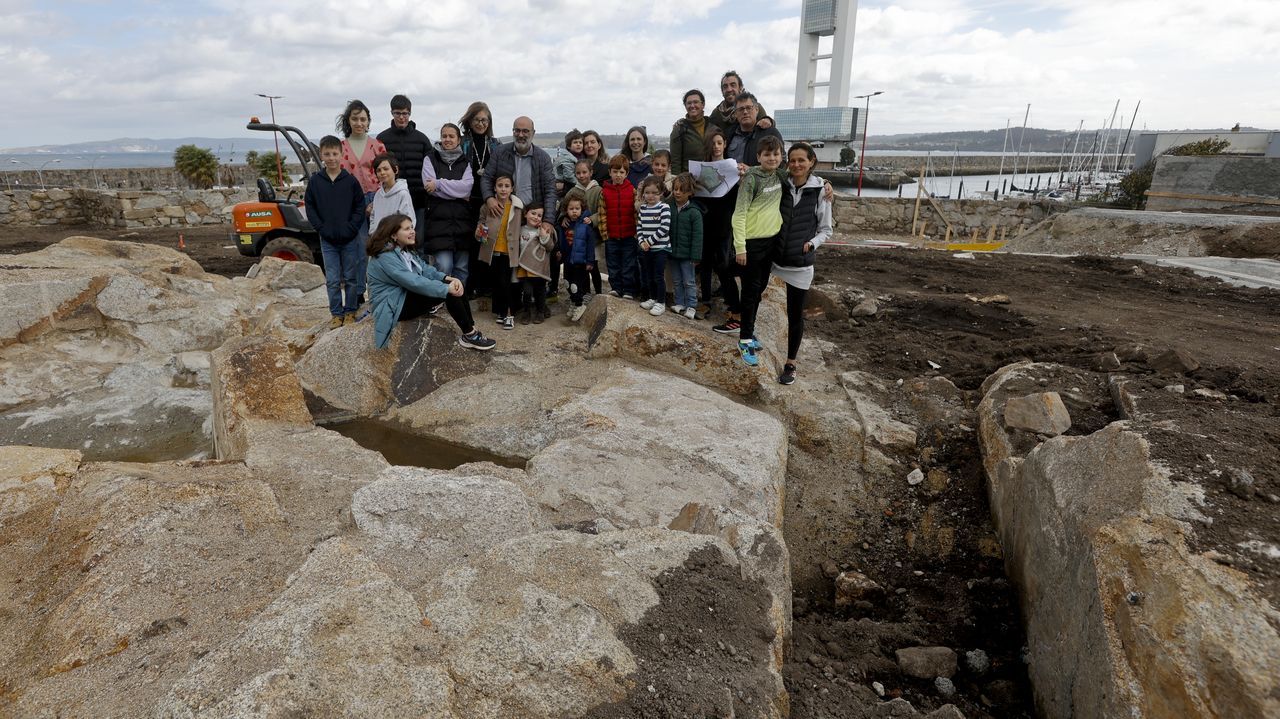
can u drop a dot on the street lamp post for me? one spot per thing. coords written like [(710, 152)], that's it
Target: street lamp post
[(40, 171), (279, 167), (94, 171), (862, 155)]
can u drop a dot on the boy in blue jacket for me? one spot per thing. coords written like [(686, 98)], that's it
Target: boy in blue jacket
[(335, 208), (578, 248)]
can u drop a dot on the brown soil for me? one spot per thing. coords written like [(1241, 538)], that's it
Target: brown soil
[(210, 245), (708, 631), (1060, 310)]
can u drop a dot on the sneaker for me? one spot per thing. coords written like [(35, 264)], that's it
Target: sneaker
[(499, 319), (335, 322), (647, 304), (755, 343), (628, 297), (729, 327), (526, 316), (788, 375), (476, 341), (690, 313), (577, 312), (614, 293), (704, 309), (748, 353), (657, 309), (678, 309), (509, 322)]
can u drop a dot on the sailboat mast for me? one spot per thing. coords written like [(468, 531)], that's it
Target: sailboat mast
[(1127, 134), (1004, 147), (1074, 148), (1022, 136)]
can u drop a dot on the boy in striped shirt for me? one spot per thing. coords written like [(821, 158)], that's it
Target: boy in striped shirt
[(654, 233)]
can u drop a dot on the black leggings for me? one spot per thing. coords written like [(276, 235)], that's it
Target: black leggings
[(505, 292), (795, 320), (577, 277), (416, 305), (755, 277)]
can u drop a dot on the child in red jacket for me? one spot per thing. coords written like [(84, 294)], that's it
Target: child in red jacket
[(621, 251)]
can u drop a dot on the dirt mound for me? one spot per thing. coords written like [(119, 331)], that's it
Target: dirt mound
[(1096, 231)]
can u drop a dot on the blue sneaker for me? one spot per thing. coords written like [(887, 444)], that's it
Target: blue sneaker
[(755, 343), (748, 353)]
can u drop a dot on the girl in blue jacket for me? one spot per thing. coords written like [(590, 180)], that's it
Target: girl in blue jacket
[(402, 286)]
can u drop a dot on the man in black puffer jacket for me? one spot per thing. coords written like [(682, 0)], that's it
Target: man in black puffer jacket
[(409, 146)]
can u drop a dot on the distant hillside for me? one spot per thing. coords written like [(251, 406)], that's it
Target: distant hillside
[(1037, 139), (146, 144)]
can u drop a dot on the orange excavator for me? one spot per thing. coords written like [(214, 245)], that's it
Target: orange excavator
[(274, 227)]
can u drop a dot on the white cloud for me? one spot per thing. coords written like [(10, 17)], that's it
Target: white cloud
[(943, 64)]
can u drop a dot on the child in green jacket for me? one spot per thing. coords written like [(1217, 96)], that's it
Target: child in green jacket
[(757, 219)]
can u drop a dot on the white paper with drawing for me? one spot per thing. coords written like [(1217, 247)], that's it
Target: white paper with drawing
[(714, 179)]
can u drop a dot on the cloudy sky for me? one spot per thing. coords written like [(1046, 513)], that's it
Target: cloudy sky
[(93, 70)]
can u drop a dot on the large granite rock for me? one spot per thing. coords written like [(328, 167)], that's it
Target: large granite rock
[(92, 340), (673, 345), (345, 372), (253, 379), (638, 446), (1122, 618), (127, 574)]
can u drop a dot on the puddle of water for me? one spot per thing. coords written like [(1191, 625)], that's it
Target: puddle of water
[(414, 450)]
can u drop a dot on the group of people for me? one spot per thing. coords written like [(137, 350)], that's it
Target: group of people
[(432, 223)]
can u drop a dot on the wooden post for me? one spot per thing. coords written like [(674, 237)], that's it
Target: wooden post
[(991, 234), (919, 189), (946, 239), (1001, 234), (975, 236)]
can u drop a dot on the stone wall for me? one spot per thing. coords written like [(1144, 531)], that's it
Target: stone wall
[(130, 178), (893, 215), (123, 208), (1194, 181)]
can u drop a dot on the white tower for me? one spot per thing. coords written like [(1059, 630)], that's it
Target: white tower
[(819, 18)]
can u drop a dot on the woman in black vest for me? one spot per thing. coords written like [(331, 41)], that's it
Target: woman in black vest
[(449, 227), (806, 224)]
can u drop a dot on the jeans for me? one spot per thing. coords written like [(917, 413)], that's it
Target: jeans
[(344, 267), (620, 257), (686, 282), (452, 262), (653, 274)]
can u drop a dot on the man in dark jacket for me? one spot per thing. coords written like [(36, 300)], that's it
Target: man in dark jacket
[(748, 132), (723, 114), (529, 167), (409, 146)]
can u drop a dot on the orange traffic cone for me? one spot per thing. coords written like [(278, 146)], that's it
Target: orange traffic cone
[(182, 243)]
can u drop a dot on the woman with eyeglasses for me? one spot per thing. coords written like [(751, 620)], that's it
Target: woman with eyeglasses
[(689, 134), (478, 144)]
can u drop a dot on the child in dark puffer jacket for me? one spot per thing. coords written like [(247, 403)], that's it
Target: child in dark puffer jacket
[(578, 247)]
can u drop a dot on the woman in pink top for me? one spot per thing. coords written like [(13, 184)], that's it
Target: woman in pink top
[(358, 151)]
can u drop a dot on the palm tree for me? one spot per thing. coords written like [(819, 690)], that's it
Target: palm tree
[(197, 164)]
